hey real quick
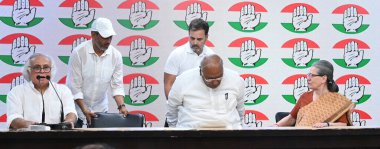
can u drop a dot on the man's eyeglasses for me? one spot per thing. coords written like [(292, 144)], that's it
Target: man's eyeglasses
[(310, 75), (210, 80), (38, 68)]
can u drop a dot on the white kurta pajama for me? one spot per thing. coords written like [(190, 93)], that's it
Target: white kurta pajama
[(91, 75), (192, 104)]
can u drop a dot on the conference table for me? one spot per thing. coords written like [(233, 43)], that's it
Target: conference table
[(208, 138)]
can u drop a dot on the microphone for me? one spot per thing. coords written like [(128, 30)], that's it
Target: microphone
[(40, 77), (43, 101), (60, 100)]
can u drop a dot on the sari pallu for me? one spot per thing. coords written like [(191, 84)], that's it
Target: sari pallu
[(328, 108)]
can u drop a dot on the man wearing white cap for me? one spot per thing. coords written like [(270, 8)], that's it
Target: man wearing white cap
[(94, 66)]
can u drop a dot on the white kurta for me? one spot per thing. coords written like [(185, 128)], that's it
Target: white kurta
[(25, 102), (184, 58), (90, 76), (192, 104)]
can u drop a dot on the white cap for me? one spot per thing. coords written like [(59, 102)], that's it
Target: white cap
[(103, 26)]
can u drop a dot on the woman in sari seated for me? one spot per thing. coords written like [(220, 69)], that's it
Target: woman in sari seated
[(323, 106)]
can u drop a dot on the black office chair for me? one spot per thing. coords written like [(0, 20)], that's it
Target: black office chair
[(280, 115), (104, 120)]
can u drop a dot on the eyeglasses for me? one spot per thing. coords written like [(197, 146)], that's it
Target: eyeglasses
[(310, 75), (38, 68), (210, 80)]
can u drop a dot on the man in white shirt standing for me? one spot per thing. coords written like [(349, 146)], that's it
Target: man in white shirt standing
[(209, 96), (187, 56), (94, 66)]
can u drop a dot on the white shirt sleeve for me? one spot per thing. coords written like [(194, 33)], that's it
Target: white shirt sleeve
[(117, 77), (74, 78), (240, 99), (175, 100), (68, 101), (14, 107), (172, 64)]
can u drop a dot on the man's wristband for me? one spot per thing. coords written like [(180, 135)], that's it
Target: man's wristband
[(120, 106)]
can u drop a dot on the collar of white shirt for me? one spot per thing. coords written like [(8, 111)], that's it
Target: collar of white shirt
[(108, 51), (190, 50)]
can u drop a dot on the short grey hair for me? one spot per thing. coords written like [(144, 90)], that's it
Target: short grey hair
[(28, 63)]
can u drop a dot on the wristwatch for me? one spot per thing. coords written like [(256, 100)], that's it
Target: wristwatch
[(120, 106)]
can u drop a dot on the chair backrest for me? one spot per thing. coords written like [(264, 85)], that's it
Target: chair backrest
[(280, 115), (117, 120)]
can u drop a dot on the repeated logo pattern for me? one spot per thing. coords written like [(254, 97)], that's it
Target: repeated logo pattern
[(301, 19), (140, 16), (140, 89), (354, 87), (360, 118), (271, 47), (22, 46), (353, 53), (353, 17), (302, 55), (140, 51), (194, 10), (82, 13), (253, 118), (23, 13), (253, 89), (250, 17), (250, 52)]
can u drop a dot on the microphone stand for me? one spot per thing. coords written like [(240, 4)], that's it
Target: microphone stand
[(62, 116), (43, 101), (60, 126)]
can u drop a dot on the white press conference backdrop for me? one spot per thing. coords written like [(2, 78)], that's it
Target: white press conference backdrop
[(271, 43)]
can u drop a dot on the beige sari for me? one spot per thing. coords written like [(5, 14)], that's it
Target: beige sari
[(328, 108)]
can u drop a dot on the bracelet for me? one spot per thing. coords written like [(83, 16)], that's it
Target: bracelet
[(120, 106), (328, 124)]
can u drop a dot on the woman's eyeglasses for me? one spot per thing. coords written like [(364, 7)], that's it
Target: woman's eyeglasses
[(310, 75)]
